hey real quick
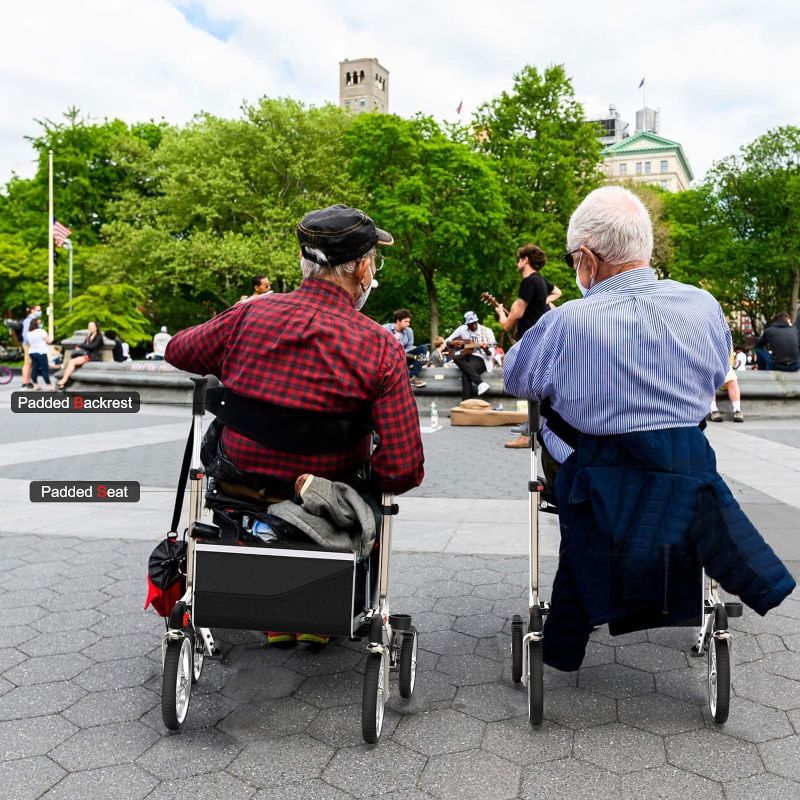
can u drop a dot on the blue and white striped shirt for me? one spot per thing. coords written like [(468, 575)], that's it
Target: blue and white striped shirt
[(635, 354)]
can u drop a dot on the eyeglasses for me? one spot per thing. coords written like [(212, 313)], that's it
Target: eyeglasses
[(570, 261), (379, 262)]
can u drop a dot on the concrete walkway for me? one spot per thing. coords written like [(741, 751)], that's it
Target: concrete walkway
[(80, 672)]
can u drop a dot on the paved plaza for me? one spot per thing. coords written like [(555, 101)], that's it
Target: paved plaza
[(80, 669)]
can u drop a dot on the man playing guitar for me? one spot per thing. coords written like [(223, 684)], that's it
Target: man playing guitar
[(474, 346)]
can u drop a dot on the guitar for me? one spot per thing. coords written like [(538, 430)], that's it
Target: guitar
[(491, 300)]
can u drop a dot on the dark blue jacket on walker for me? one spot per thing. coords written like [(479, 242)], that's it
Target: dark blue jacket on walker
[(640, 514)]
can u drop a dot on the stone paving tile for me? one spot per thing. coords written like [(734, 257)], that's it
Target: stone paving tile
[(220, 786), (448, 643), (616, 680), (492, 702), (470, 669), (438, 732), (769, 643), (480, 624), (762, 787), (713, 755), (341, 726), (125, 780), (688, 684), (118, 674), (258, 683), (192, 752), (577, 708), (14, 635), (364, 771), (115, 705), (104, 746), (752, 722), (326, 691), (46, 669), (752, 682), (22, 738), (476, 774), (120, 647), (786, 664), (668, 783), (571, 779), (659, 714), (269, 718), (21, 615), (516, 741), (597, 653), (431, 621), (10, 657), (27, 597), (57, 643), (619, 748), (431, 691), (278, 762), (782, 757), (39, 700), (307, 790), (29, 778), (68, 620), (650, 657)]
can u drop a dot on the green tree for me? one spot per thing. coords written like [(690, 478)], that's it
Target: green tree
[(441, 201), (547, 157), (225, 198), (112, 308)]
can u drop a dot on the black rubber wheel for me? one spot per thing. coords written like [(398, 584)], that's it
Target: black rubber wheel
[(516, 648), (407, 670), (372, 701), (719, 670), (176, 687), (535, 683)]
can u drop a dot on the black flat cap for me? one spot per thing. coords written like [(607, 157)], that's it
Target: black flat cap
[(337, 234)]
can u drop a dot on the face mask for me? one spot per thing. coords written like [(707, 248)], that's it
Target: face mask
[(359, 304), (582, 288)]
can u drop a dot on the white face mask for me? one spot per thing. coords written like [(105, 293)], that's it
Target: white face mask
[(578, 283), (359, 304)]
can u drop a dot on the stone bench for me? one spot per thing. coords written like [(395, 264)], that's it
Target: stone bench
[(764, 394)]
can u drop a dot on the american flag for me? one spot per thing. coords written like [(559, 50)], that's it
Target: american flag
[(60, 233)]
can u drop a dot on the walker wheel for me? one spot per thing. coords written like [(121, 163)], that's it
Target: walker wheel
[(372, 701), (408, 663), (198, 658), (176, 688), (719, 670), (516, 648)]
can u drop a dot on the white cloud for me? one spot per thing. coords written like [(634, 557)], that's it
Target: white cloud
[(720, 70)]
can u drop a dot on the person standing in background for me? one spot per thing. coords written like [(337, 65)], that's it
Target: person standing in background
[(37, 350), (160, 342)]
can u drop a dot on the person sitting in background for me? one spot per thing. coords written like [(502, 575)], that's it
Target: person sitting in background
[(117, 353), (436, 358), (779, 346), (88, 350), (739, 359), (57, 358), (37, 349), (475, 343), (401, 329), (160, 342)]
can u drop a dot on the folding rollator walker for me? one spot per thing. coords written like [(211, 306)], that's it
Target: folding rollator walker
[(235, 582), (527, 665)]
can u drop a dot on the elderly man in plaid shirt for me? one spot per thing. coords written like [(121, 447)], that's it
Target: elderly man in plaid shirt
[(313, 350)]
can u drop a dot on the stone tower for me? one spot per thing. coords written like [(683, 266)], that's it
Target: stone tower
[(363, 85)]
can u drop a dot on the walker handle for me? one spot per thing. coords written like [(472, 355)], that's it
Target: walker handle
[(199, 395)]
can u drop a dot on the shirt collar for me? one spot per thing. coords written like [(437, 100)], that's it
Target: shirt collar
[(325, 294), (637, 278)]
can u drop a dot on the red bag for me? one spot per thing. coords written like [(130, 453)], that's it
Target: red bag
[(166, 576)]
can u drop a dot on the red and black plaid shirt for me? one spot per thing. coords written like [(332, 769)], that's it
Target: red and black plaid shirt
[(310, 349)]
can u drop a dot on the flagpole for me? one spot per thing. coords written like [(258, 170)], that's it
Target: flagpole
[(50, 244)]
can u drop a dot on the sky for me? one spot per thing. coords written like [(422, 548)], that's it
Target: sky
[(722, 72)]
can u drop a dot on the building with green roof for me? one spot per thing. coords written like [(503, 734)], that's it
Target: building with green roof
[(648, 158)]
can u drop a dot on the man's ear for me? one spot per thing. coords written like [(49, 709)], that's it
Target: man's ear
[(363, 269), (590, 260)]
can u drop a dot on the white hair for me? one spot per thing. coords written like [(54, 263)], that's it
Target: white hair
[(311, 269), (613, 223)]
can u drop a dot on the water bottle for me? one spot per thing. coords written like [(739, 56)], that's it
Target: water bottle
[(434, 415), (263, 531)]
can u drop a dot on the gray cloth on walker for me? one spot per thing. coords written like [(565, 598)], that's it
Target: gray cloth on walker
[(333, 515)]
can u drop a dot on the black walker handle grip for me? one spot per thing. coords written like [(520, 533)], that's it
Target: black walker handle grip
[(533, 420), (199, 395)]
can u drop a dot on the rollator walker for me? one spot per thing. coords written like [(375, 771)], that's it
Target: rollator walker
[(233, 581), (527, 666)]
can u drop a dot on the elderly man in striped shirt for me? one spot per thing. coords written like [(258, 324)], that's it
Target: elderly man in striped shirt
[(626, 375), (636, 354)]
